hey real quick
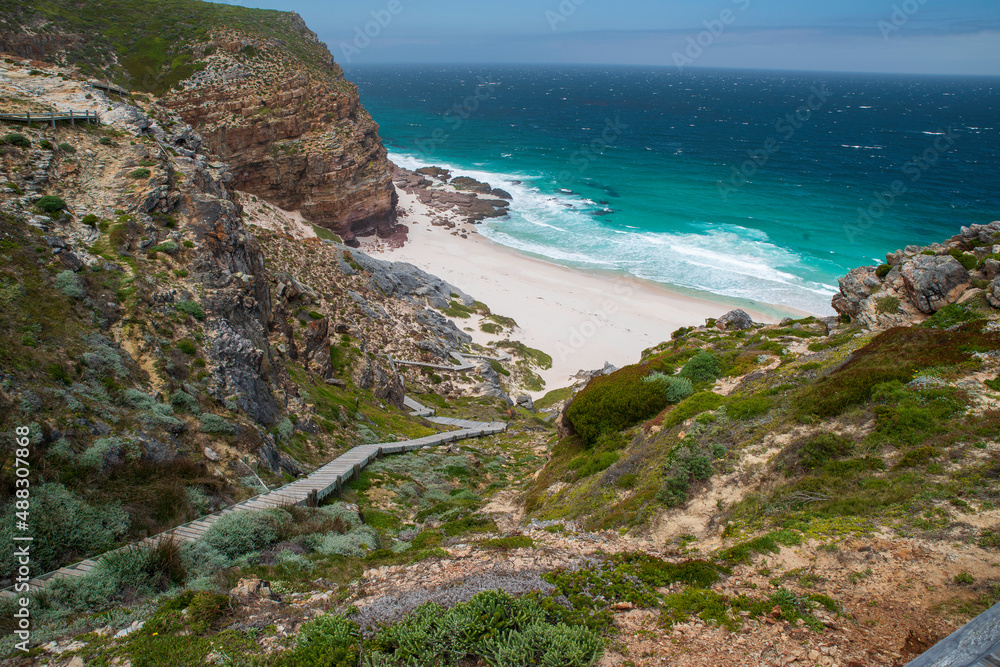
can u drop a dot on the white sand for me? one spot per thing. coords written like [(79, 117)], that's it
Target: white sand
[(581, 319)]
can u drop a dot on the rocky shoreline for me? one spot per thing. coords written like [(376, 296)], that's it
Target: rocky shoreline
[(473, 201)]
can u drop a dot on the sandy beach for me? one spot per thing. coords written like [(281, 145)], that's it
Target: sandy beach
[(581, 319)]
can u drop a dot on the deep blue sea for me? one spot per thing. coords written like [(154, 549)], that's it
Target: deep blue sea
[(762, 188)]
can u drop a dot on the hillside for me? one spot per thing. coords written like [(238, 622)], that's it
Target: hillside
[(263, 91)]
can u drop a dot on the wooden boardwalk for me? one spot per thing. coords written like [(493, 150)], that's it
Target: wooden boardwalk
[(463, 362), (52, 117), (309, 490)]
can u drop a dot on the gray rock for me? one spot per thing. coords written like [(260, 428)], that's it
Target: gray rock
[(993, 293), (734, 320), (992, 269), (525, 402), (855, 287), (210, 454), (933, 282)]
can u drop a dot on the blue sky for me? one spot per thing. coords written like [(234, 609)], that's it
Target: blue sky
[(906, 36)]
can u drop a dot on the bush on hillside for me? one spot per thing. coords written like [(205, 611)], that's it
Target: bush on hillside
[(63, 525), (615, 402), (702, 367), (68, 283), (17, 139), (51, 204), (678, 388)]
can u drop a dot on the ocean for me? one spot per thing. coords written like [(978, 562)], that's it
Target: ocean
[(750, 187)]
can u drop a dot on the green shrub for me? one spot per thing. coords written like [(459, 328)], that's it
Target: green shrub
[(50, 204), (950, 316), (90, 220), (45, 145), (141, 172), (678, 388), (967, 260), (169, 247), (887, 305), (191, 308), (63, 525), (68, 283), (615, 402), (494, 628), (104, 141), (182, 400), (209, 423), (915, 457), (702, 367), (245, 532), (883, 270), (590, 464), (331, 641), (695, 405), (187, 346), (67, 148), (356, 543), (769, 543), (749, 407), (17, 139), (823, 448), (108, 451)]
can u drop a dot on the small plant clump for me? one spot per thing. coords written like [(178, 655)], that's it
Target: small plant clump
[(51, 204), (17, 139)]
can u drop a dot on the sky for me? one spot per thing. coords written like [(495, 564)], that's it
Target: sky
[(899, 36)]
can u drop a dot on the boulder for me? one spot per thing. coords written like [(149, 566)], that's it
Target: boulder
[(993, 293), (734, 320), (210, 454), (525, 402), (855, 287), (991, 268), (932, 281)]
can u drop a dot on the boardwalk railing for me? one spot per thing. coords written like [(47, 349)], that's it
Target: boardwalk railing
[(121, 92), (463, 362), (52, 117), (310, 490)]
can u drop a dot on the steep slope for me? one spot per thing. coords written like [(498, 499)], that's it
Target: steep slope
[(157, 348), (262, 89)]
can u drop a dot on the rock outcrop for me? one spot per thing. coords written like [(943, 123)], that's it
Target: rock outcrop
[(734, 320), (919, 281), (292, 132), (473, 200)]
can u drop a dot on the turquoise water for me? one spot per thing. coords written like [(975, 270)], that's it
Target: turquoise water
[(762, 188)]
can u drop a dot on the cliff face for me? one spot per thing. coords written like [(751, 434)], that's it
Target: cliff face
[(294, 135), (261, 88)]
